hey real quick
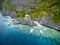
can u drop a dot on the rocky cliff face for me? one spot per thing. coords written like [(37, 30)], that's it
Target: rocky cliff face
[(1, 1), (6, 12), (19, 5), (44, 20), (47, 22)]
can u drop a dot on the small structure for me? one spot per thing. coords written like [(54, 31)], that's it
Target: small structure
[(27, 16)]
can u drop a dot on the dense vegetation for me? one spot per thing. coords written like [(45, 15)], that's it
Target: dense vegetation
[(1, 1), (44, 8), (6, 4)]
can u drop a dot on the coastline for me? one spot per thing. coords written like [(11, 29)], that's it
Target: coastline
[(30, 22)]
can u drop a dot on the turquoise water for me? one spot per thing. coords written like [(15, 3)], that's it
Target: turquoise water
[(21, 35)]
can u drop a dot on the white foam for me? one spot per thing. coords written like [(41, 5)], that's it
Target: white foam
[(36, 23), (10, 21), (41, 31), (31, 30)]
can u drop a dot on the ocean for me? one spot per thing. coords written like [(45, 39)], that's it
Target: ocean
[(26, 35)]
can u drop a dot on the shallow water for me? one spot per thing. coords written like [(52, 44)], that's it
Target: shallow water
[(22, 34)]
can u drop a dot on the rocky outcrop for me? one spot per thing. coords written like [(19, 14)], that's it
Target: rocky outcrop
[(24, 21), (47, 22), (6, 12), (1, 1), (20, 5), (37, 19), (28, 21)]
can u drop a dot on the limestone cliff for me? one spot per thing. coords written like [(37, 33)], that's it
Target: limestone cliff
[(44, 11)]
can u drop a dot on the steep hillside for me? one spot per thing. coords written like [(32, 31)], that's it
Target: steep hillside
[(1, 1), (47, 10)]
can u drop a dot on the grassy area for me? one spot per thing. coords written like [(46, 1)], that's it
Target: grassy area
[(20, 14)]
